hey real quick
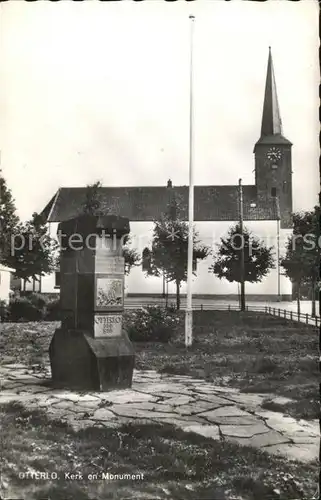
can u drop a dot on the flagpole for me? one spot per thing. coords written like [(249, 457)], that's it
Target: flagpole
[(241, 215), (278, 247), (189, 310)]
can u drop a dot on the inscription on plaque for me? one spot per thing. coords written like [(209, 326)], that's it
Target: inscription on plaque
[(108, 325), (109, 265), (109, 292)]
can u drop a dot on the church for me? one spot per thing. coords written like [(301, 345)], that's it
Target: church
[(267, 208)]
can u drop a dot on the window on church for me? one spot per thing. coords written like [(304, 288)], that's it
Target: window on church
[(273, 192), (146, 259)]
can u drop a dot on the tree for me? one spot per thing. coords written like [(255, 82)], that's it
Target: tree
[(34, 254), (130, 255), (258, 258), (92, 206), (9, 222), (169, 248), (302, 260)]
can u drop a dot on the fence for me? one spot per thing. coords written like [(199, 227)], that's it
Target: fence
[(274, 311)]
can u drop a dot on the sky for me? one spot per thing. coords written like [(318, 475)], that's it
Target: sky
[(100, 91)]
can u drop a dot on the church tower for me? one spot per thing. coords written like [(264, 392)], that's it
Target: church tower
[(273, 161)]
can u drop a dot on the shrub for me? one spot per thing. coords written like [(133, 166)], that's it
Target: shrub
[(53, 310), (4, 312), (25, 308), (152, 323), (37, 299)]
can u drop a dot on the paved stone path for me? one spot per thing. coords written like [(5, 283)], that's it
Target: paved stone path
[(190, 404)]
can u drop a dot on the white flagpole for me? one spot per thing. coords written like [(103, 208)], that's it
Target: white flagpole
[(189, 310)]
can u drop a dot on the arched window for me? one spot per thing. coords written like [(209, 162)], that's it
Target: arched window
[(146, 259)]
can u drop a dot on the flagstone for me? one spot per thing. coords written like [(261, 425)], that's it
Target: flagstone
[(244, 430), (103, 414), (304, 439), (178, 379), (178, 422), (14, 366), (21, 397), (32, 389), (156, 388), (86, 405), (209, 431), (47, 401), (196, 407), (226, 411), (163, 408), (129, 396), (218, 388), (259, 441), (301, 453), (177, 400), (127, 411), (249, 400), (169, 395), (7, 397), (219, 401), (63, 404), (289, 425), (150, 388), (8, 385)]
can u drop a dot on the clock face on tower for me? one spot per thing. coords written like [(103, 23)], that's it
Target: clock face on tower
[(274, 154)]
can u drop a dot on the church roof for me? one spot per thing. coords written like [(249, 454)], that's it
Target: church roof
[(147, 203), (271, 127)]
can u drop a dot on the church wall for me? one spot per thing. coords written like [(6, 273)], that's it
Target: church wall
[(204, 283)]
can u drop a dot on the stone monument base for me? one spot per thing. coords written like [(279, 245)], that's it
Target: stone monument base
[(79, 361)]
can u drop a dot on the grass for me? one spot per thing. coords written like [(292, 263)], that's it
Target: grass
[(174, 464)]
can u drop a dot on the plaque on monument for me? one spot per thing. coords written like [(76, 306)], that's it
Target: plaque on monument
[(109, 325), (109, 265), (109, 292)]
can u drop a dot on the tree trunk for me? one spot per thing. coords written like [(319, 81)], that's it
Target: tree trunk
[(24, 285), (33, 284), (313, 299), (178, 297), (298, 299)]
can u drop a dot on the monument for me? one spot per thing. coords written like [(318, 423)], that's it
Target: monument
[(90, 350)]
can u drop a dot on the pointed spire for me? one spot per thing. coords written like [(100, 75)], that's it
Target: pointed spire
[(271, 119)]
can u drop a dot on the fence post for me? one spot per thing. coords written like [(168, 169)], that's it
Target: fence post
[(307, 318), (229, 307), (201, 307), (316, 321), (265, 309), (247, 308), (285, 313), (279, 312), (299, 316), (291, 315)]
